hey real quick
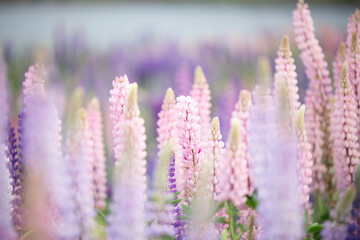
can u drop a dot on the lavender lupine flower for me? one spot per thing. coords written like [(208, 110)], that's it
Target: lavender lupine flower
[(178, 223), (80, 156), (188, 129), (339, 61), (333, 231), (16, 176), (353, 61), (201, 94), (317, 99), (274, 162), (99, 171), (127, 219), (346, 149), (6, 228), (353, 27)]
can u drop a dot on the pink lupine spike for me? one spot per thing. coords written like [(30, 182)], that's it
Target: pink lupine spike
[(305, 162), (201, 94), (353, 61), (188, 131), (242, 112), (233, 174), (353, 27), (285, 74), (118, 98), (216, 152), (317, 98), (167, 120), (34, 82), (99, 167), (339, 61), (127, 220), (345, 133)]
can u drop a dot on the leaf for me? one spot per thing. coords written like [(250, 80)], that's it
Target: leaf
[(314, 228), (251, 201), (224, 235), (177, 194), (176, 201), (220, 220), (343, 206)]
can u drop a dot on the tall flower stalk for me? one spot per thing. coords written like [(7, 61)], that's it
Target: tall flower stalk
[(317, 100), (188, 130), (339, 61), (99, 168), (346, 143), (127, 220), (201, 94)]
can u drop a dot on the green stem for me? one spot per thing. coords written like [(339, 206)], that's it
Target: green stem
[(231, 221), (251, 227)]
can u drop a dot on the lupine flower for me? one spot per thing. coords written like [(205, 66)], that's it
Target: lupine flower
[(242, 112), (353, 27), (167, 120), (263, 71), (178, 223), (3, 91), (317, 98), (333, 231), (6, 228), (339, 61), (75, 104), (80, 157), (34, 82), (188, 129), (345, 133), (127, 220), (99, 172), (274, 160), (16, 175), (201, 94), (215, 152), (285, 74), (305, 161), (233, 172), (118, 97), (353, 61), (160, 211)]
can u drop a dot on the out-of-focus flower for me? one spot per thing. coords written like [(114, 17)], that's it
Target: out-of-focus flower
[(317, 98), (201, 94), (305, 161), (339, 61), (167, 120), (333, 231), (182, 80), (353, 27), (34, 82), (353, 61), (127, 220), (345, 133), (233, 174), (99, 172), (188, 129)]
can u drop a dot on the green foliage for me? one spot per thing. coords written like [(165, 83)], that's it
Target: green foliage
[(251, 201)]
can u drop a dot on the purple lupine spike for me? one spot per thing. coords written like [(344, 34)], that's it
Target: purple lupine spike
[(179, 223), (16, 178)]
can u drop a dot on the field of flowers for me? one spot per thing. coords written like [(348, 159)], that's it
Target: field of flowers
[(183, 146)]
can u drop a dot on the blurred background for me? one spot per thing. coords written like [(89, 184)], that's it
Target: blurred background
[(157, 44)]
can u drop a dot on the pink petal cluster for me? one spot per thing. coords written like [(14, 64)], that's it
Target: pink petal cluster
[(353, 61), (345, 137), (216, 147), (94, 119), (233, 174), (242, 112), (34, 82), (188, 130), (201, 94), (127, 220), (305, 162), (167, 120), (353, 27), (339, 61), (317, 95), (285, 74)]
